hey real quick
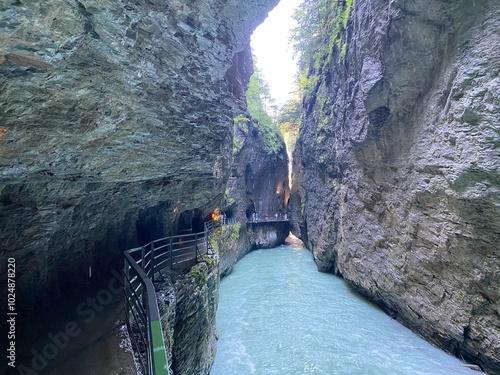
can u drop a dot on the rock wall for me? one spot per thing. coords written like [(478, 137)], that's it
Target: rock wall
[(115, 119), (231, 243), (259, 179), (401, 189), (264, 235), (258, 184), (188, 304)]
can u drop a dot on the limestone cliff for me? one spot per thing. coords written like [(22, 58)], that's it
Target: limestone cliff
[(115, 123), (399, 158), (259, 178), (258, 184)]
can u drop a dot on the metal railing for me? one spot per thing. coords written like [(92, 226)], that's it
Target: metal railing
[(143, 319), (268, 218), (227, 221), (143, 265)]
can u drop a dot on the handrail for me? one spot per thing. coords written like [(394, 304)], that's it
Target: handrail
[(268, 219), (141, 310), (227, 221), (141, 307)]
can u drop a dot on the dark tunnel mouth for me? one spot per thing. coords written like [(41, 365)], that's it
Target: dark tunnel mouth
[(190, 222), (151, 223), (250, 209)]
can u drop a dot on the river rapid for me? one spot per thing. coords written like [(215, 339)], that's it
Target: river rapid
[(278, 315)]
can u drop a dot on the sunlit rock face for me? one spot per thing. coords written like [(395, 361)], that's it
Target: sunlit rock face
[(115, 119), (402, 193)]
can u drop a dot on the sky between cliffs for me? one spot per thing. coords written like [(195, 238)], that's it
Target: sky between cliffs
[(274, 53)]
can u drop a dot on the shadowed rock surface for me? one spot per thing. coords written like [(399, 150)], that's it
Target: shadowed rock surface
[(188, 304), (402, 187), (258, 184), (116, 118)]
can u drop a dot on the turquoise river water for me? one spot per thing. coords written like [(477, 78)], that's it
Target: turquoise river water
[(278, 315)]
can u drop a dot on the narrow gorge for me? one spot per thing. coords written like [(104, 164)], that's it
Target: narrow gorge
[(399, 167), (126, 121)]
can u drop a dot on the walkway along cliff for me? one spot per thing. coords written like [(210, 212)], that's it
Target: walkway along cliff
[(398, 166), (116, 126)]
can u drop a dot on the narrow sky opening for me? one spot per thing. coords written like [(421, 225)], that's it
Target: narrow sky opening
[(274, 53)]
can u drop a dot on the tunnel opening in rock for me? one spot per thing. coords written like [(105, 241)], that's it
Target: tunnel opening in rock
[(197, 224), (190, 222), (250, 209), (151, 223), (230, 211)]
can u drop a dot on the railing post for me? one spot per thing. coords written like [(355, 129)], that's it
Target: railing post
[(196, 247), (125, 289), (145, 306), (206, 239), (143, 258), (171, 257), (153, 261)]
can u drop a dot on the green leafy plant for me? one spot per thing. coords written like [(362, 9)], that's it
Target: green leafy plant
[(258, 100), (237, 145), (321, 28), (241, 122)]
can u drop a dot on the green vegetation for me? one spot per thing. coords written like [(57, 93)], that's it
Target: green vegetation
[(223, 237), (198, 275), (258, 100), (237, 145), (320, 40), (210, 261), (200, 272), (240, 122), (289, 120), (320, 32)]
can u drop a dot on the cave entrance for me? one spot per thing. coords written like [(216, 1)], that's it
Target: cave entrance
[(151, 223), (190, 222), (250, 210), (230, 211)]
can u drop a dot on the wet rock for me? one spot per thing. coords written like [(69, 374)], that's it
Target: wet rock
[(267, 235), (401, 195)]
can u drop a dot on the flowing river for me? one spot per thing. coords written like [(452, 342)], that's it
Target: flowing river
[(278, 315)]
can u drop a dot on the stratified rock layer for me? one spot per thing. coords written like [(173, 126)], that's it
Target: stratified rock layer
[(402, 188), (115, 118)]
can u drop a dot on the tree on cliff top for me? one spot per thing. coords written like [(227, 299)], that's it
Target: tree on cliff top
[(258, 99), (289, 119), (320, 32)]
